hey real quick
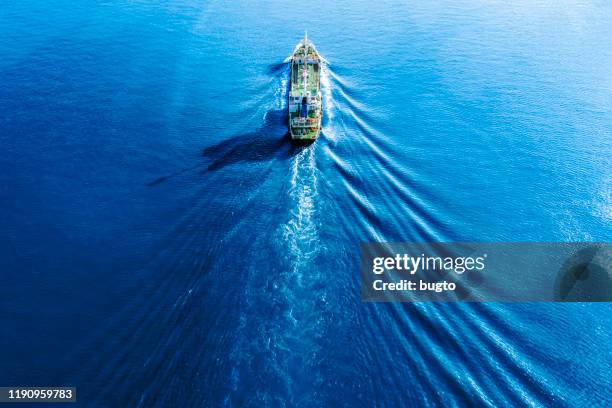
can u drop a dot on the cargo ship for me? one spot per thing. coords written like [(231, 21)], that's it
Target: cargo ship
[(305, 111)]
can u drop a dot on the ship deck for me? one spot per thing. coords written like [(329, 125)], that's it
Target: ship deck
[(308, 130), (312, 82)]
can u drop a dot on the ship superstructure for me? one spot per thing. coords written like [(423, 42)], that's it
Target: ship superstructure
[(305, 111)]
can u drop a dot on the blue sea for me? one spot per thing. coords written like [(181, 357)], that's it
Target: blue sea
[(163, 243)]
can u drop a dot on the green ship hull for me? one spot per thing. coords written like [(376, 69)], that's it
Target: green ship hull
[(305, 107)]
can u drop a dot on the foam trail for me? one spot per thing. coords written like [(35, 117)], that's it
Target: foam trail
[(332, 127), (326, 91), (280, 92), (301, 231), (281, 89)]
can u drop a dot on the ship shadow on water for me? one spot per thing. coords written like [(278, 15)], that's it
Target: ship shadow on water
[(271, 140)]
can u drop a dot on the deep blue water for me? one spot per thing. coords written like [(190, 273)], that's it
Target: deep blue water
[(164, 244)]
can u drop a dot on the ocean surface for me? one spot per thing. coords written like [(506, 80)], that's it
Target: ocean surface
[(164, 244)]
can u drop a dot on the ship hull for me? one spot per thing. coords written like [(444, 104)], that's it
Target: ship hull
[(310, 136), (305, 100)]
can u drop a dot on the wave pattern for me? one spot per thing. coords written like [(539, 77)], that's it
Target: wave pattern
[(202, 259), (295, 320)]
